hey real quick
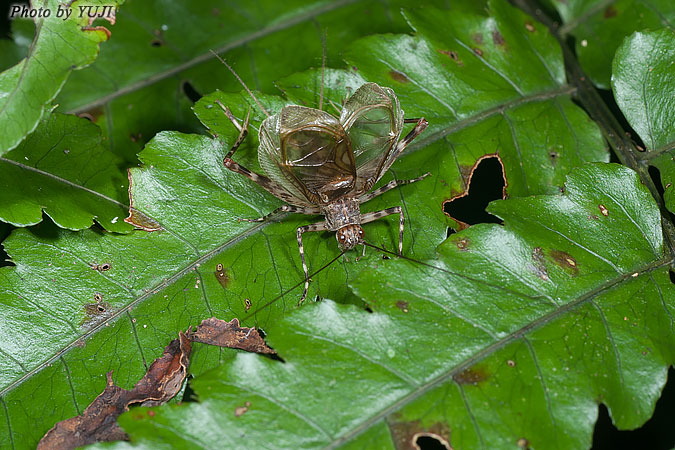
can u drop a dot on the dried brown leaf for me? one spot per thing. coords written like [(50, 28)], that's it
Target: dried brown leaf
[(229, 334), (98, 422)]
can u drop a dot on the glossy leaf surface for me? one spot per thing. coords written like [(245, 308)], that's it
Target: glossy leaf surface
[(512, 332), (63, 170), (161, 52), (26, 89), (599, 27), (643, 69), (164, 281)]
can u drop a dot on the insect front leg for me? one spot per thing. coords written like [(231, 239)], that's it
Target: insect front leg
[(372, 216), (389, 186), (285, 209), (243, 129), (321, 226)]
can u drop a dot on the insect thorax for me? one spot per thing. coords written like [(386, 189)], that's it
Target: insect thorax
[(342, 212)]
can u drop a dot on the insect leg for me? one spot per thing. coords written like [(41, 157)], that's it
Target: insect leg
[(389, 186), (284, 209), (369, 217), (243, 129), (403, 143), (321, 226)]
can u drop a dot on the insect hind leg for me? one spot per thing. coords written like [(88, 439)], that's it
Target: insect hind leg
[(284, 209), (389, 186)]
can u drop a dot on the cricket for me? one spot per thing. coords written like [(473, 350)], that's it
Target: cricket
[(320, 164)]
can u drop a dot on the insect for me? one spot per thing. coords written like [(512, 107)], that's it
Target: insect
[(320, 164)]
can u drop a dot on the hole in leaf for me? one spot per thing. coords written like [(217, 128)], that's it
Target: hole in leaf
[(658, 433), (5, 229), (189, 395), (449, 232), (429, 442), (486, 183), (671, 272), (156, 43), (655, 174), (191, 92)]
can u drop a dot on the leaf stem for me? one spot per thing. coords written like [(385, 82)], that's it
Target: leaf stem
[(588, 96)]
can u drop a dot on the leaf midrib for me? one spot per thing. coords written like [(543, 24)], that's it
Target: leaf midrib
[(542, 96), (431, 138), (499, 344), (164, 283), (306, 15), (63, 181)]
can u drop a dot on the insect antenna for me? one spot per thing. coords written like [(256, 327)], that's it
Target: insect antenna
[(384, 250), (336, 106), (323, 67), (297, 285), (242, 83)]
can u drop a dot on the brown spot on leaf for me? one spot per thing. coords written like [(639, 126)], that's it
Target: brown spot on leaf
[(603, 210), (463, 244), (229, 334), (565, 260), (523, 443), (222, 276), (413, 436), (247, 304), (399, 76), (477, 38), (553, 157), (241, 410), (136, 217), (511, 363), (497, 38), (142, 221), (403, 306), (453, 55), (473, 375), (101, 267), (98, 422), (95, 312), (478, 51), (610, 12), (529, 27)]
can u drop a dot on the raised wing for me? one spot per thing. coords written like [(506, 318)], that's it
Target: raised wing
[(373, 120), (307, 152)]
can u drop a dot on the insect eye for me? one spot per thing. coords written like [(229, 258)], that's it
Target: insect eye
[(361, 232)]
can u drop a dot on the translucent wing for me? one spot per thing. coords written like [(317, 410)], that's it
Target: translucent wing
[(307, 152), (373, 120), (270, 159)]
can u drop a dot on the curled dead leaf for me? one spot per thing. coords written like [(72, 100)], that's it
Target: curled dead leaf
[(229, 334), (98, 422)]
